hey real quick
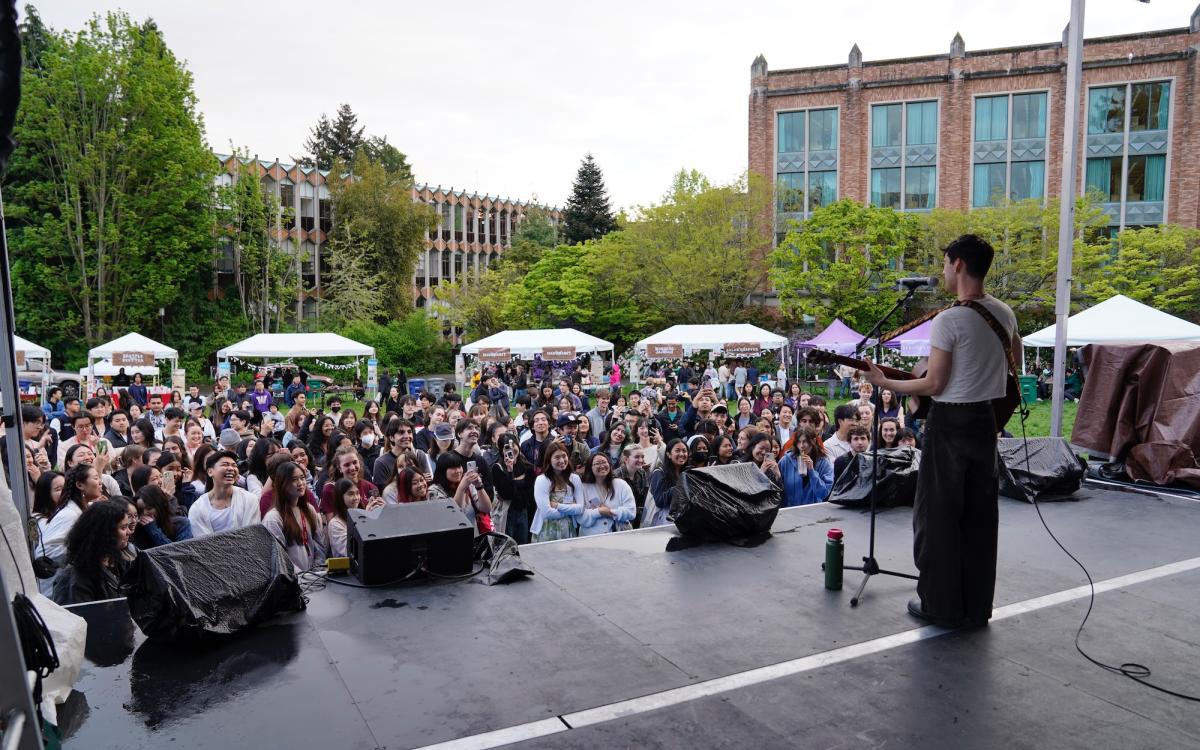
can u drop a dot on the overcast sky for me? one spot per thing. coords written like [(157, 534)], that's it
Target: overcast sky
[(505, 99)]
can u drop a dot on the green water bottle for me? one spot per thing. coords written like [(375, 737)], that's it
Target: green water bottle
[(834, 555)]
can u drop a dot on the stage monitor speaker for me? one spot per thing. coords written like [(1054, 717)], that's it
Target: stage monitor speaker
[(213, 585), (724, 503), (1054, 470), (390, 544)]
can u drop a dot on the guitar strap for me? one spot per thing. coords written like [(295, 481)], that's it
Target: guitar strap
[(995, 325), (913, 324)]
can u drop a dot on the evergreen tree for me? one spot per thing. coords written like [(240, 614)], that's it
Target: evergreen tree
[(588, 215), (340, 139)]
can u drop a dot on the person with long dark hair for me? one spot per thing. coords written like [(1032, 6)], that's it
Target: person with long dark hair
[(663, 481), (761, 453), (454, 480), (159, 522), (559, 496), (699, 453), (807, 472), (723, 451), (608, 503), (137, 391), (295, 523), (95, 563), (345, 499), (408, 486), (513, 479), (318, 438)]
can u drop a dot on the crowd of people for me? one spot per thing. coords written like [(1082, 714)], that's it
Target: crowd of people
[(535, 458)]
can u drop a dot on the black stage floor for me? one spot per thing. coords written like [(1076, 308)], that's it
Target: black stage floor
[(618, 643)]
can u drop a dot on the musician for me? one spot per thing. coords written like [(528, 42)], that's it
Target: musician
[(956, 515)]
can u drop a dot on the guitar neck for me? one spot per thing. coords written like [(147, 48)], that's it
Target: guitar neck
[(859, 364)]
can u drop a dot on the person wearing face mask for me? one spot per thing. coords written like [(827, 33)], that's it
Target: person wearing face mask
[(366, 440)]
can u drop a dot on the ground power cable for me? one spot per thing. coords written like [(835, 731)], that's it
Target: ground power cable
[(1139, 673)]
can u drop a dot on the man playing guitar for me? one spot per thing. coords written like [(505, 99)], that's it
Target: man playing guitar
[(956, 514)]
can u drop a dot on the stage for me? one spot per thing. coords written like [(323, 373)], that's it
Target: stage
[(617, 643)]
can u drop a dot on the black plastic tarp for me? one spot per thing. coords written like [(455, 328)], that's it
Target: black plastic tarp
[(1053, 470), (897, 479), (725, 503), (215, 585)]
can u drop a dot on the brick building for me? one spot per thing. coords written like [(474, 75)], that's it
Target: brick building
[(971, 128), (472, 229)]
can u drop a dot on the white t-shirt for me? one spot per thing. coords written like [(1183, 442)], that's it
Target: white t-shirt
[(978, 366), (835, 447)]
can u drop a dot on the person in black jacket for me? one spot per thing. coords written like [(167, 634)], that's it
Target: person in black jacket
[(513, 478), (95, 559)]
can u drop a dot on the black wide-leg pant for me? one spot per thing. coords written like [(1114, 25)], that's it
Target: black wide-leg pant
[(956, 514)]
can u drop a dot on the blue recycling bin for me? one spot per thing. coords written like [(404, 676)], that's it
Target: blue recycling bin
[(415, 386)]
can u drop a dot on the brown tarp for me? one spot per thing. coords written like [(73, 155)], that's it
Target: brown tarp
[(1139, 394)]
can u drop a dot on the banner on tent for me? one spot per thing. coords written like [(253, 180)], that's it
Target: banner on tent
[(743, 347), (20, 357), (664, 351), (558, 353), (495, 354), (133, 359)]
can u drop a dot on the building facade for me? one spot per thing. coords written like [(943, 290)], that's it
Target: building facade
[(472, 230), (974, 128)]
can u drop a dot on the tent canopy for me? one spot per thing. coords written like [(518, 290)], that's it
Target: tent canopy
[(713, 337), (106, 369), (527, 343), (133, 342), (914, 343), (288, 345), (837, 337), (1119, 318), (31, 350)]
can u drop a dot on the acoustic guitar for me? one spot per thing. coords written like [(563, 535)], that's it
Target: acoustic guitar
[(918, 406)]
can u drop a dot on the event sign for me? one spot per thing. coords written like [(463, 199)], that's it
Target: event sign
[(558, 353), (495, 354), (743, 348), (664, 351), (20, 356), (373, 376), (133, 359)]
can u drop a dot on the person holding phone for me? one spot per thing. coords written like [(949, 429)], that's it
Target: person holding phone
[(513, 505), (458, 480), (762, 456)]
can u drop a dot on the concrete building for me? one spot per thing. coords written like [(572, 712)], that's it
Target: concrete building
[(966, 129), (472, 229)]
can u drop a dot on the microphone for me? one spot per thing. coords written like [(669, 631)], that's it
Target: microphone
[(916, 282)]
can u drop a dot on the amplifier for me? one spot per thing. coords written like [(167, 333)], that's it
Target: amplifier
[(389, 544)]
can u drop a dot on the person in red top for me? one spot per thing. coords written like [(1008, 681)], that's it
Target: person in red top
[(346, 463)]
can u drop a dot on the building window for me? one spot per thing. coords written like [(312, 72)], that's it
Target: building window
[(326, 215), (806, 154), (904, 145), (458, 222), (225, 261), (1127, 146), (458, 264), (1009, 149), (446, 264), (287, 197)]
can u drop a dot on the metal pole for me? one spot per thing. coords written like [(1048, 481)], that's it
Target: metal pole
[(1066, 215)]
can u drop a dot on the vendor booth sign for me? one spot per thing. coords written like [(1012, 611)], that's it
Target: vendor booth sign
[(495, 354), (751, 348), (558, 353), (133, 359), (664, 351)]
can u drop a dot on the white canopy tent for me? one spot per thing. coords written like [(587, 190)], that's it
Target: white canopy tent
[(288, 345), (739, 338), (26, 350), (1118, 318), (525, 344), (131, 343)]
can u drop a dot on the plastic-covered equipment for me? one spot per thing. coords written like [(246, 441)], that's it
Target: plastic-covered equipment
[(216, 584), (1053, 471), (725, 503), (897, 479)]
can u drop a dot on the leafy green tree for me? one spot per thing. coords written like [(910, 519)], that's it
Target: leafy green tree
[(351, 284), (412, 341), (842, 262), (702, 249), (388, 156), (387, 229), (588, 215), (109, 194), (1159, 266), (265, 275)]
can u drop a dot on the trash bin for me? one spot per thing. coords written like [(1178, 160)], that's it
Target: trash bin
[(415, 386), (1029, 389)]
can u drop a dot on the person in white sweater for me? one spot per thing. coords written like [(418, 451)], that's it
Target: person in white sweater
[(608, 503), (225, 507)]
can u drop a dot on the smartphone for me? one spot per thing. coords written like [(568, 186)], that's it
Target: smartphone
[(509, 452), (471, 466), (169, 477)]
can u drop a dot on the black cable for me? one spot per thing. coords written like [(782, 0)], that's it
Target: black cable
[(1134, 671)]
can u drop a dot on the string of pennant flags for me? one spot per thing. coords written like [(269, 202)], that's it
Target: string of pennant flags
[(326, 365)]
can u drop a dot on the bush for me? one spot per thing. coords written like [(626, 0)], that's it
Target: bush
[(413, 343)]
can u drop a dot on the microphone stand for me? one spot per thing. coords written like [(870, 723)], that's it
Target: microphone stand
[(870, 566)]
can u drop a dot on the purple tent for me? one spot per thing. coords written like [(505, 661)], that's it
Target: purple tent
[(914, 343), (837, 337)]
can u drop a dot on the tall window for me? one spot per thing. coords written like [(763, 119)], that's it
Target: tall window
[(1009, 149), (287, 198), (806, 160), (1127, 146), (904, 145)]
